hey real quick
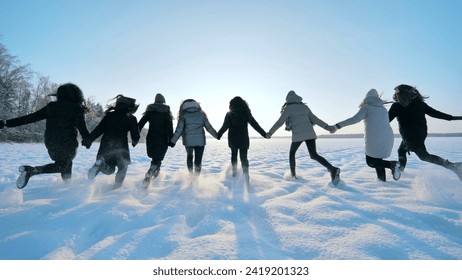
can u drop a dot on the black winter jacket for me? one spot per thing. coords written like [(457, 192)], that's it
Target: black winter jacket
[(412, 122), (63, 120), (238, 136), (114, 144), (160, 129)]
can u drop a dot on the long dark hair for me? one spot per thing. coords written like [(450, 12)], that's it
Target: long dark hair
[(123, 104), (237, 104), (406, 94), (71, 93)]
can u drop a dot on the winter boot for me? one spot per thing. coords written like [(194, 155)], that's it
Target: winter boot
[(66, 174), (26, 173), (152, 172), (197, 170), (234, 170), (456, 167), (395, 170), (95, 169), (120, 177), (245, 170), (293, 175), (335, 175), (402, 162), (382, 177)]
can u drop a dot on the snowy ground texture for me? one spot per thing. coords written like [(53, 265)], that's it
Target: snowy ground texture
[(217, 217)]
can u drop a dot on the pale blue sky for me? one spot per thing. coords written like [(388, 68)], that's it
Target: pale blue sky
[(330, 52)]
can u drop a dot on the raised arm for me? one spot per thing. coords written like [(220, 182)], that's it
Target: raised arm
[(27, 119), (284, 116), (437, 114), (359, 116)]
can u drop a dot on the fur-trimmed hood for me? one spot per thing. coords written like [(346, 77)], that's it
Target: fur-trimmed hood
[(157, 107), (190, 106), (372, 98)]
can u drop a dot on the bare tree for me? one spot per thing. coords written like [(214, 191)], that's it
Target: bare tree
[(20, 96), (14, 82)]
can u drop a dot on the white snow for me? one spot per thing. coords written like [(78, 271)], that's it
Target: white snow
[(216, 217)]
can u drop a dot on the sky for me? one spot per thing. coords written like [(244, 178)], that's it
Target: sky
[(329, 52)]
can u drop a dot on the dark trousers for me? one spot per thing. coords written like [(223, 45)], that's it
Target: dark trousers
[(122, 168), (311, 145), (243, 158), (379, 165), (421, 151), (157, 154), (61, 166), (62, 157), (194, 154)]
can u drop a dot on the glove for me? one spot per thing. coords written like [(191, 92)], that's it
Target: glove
[(268, 135), (2, 124), (457, 118), (171, 144)]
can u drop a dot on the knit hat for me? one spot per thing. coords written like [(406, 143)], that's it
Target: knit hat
[(159, 99), (292, 97)]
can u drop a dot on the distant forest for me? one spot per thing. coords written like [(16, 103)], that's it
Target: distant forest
[(22, 91), (359, 135)]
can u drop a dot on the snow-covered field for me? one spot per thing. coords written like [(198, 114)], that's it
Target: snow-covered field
[(217, 217)]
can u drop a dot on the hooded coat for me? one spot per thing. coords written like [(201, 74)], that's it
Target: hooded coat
[(299, 117), (378, 134), (160, 129), (191, 126), (63, 120), (237, 120)]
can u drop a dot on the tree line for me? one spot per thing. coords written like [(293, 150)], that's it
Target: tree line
[(22, 91)]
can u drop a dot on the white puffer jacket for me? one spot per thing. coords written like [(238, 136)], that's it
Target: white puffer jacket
[(191, 126), (299, 117), (378, 134)]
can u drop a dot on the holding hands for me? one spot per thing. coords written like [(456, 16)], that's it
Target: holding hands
[(86, 142), (331, 128)]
